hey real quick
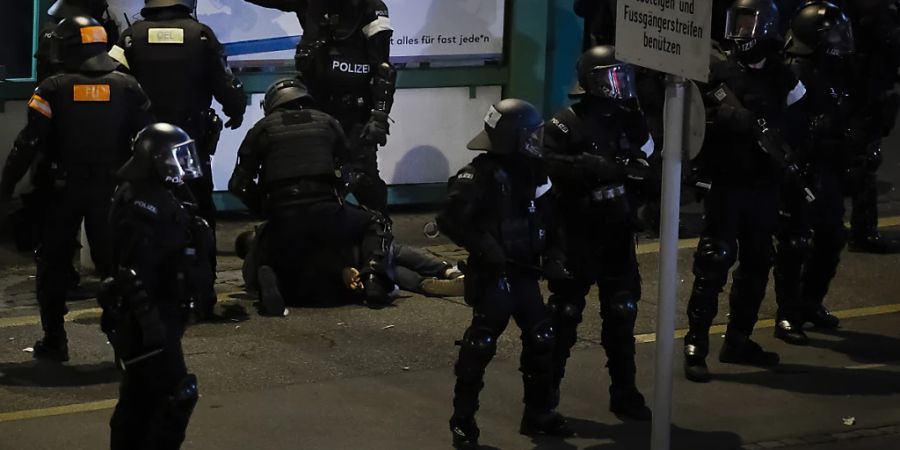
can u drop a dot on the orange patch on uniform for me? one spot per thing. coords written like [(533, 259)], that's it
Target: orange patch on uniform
[(40, 105), (91, 93), (92, 35)]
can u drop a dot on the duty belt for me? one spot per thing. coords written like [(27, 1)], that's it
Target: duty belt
[(348, 101), (608, 192)]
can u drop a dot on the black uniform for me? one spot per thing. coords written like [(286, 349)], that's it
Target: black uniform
[(171, 38), (741, 208), (152, 233), (498, 206), (344, 59), (295, 154), (600, 228), (83, 122), (877, 35)]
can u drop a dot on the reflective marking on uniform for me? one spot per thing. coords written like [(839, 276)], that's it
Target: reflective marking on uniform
[(118, 53), (649, 147), (492, 118), (377, 26), (165, 35), (466, 176), (91, 92), (40, 105), (562, 127), (93, 35), (796, 94), (543, 189)]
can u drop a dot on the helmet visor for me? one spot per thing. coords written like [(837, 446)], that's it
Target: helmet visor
[(181, 163), (838, 40), (742, 24), (616, 82), (532, 140)]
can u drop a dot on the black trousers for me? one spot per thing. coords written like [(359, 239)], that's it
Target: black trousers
[(309, 245), (368, 187), (864, 213), (149, 414), (740, 224), (518, 297), (810, 240), (604, 255), (84, 200)]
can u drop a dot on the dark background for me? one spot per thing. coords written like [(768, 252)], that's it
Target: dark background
[(17, 37)]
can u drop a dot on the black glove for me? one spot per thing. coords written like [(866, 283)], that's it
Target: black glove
[(637, 169), (376, 129), (234, 123), (598, 166), (740, 120), (555, 270)]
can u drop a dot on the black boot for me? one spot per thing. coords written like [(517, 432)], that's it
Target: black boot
[(629, 404), (821, 317), (465, 432), (695, 351), (53, 347), (549, 423), (742, 350), (791, 332), (271, 302)]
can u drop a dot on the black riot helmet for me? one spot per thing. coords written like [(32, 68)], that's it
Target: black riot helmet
[(82, 44), (68, 8), (165, 153), (189, 5), (283, 92), (820, 27), (511, 126), (752, 27), (600, 74)]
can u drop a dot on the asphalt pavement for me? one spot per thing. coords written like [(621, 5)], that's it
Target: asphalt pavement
[(348, 377)]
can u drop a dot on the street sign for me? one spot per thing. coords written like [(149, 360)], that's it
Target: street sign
[(671, 36)]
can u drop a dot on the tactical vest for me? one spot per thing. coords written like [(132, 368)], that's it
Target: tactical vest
[(296, 145)]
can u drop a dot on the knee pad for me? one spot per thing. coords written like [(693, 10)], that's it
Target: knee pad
[(623, 309), (182, 401), (714, 255), (480, 342), (566, 314), (541, 338)]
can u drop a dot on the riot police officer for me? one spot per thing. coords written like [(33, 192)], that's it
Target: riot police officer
[(812, 235), (344, 59), (170, 37), (83, 121), (158, 245), (876, 26), (47, 57), (295, 152), (499, 208), (751, 99), (595, 149)]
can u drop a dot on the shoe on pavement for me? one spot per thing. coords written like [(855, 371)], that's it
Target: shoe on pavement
[(747, 352), (791, 332), (270, 298)]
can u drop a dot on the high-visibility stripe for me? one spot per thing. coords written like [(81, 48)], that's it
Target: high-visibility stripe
[(91, 92), (377, 26), (93, 35), (40, 105)]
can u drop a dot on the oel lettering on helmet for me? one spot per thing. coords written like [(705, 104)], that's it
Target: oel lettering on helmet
[(93, 35), (91, 93), (165, 36)]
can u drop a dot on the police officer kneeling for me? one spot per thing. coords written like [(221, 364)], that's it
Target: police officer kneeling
[(295, 152), (499, 208), (144, 306)]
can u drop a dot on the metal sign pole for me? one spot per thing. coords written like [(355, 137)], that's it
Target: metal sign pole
[(668, 262)]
